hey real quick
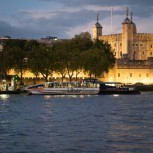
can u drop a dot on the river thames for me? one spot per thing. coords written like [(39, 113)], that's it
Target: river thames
[(76, 124)]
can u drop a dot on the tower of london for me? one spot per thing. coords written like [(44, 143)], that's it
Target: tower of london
[(133, 52)]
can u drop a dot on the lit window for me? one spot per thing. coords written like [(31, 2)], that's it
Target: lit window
[(147, 75)]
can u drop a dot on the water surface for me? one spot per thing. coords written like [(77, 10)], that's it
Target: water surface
[(76, 124)]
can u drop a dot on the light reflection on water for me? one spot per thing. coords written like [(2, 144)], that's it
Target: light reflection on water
[(47, 97), (77, 124), (4, 96)]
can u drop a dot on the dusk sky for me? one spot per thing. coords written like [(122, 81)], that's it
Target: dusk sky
[(65, 18)]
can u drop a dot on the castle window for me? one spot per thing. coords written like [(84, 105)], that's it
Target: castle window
[(130, 74), (120, 44), (143, 53), (136, 44), (151, 53), (139, 75), (133, 44), (147, 75), (115, 45), (150, 46), (121, 54), (141, 44), (118, 74)]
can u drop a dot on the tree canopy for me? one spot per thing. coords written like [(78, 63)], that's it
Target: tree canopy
[(67, 57)]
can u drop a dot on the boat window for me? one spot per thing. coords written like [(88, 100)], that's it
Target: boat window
[(46, 85), (51, 85)]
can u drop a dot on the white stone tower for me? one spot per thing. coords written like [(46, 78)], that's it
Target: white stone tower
[(128, 32), (97, 29)]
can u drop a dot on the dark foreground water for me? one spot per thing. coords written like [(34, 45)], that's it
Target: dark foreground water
[(76, 124)]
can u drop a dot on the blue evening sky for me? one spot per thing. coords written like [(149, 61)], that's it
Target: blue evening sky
[(65, 18)]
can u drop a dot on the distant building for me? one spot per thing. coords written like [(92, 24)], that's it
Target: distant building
[(50, 40), (133, 52)]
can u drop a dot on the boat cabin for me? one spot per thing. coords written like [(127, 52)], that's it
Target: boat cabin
[(71, 85)]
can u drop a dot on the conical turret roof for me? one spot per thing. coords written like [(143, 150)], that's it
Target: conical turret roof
[(127, 21), (98, 25)]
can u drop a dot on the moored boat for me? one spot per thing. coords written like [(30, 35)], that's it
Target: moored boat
[(116, 88), (63, 88), (10, 92)]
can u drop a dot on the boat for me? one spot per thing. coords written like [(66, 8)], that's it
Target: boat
[(116, 88), (63, 88), (10, 92)]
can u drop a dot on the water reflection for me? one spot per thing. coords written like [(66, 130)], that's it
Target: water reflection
[(116, 95), (48, 97), (4, 97)]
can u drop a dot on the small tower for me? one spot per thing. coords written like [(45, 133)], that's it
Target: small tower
[(128, 32), (97, 29)]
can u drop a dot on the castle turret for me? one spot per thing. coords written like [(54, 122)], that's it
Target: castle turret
[(97, 29), (128, 32)]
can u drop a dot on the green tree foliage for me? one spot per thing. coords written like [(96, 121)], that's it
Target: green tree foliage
[(33, 61), (41, 61), (81, 53), (60, 57), (13, 56), (98, 59), (107, 53), (82, 42), (67, 57)]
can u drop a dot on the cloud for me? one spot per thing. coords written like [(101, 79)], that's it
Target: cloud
[(65, 18), (36, 14)]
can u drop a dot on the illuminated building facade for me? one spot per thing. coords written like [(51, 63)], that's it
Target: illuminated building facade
[(133, 52)]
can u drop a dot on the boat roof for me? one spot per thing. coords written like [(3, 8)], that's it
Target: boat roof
[(61, 82), (111, 83)]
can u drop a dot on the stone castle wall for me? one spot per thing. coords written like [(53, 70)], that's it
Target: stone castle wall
[(134, 54)]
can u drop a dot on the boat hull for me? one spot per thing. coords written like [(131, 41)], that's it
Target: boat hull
[(10, 92), (118, 92), (63, 91), (116, 88)]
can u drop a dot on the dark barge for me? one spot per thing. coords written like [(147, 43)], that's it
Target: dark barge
[(107, 88), (10, 92)]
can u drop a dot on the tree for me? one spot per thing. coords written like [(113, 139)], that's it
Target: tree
[(33, 62), (14, 54), (82, 41), (99, 59), (41, 61), (60, 56), (107, 53)]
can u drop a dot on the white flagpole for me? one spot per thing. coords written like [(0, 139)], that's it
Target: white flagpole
[(111, 20)]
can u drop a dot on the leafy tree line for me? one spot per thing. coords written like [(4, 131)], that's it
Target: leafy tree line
[(67, 57)]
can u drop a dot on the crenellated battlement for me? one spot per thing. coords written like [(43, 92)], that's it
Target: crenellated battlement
[(112, 37), (145, 34)]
